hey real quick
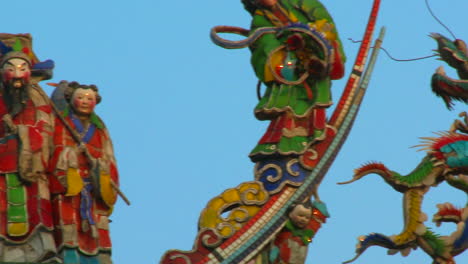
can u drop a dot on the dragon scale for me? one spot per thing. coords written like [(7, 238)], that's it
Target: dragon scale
[(412, 208)]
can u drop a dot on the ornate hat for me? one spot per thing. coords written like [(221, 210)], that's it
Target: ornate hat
[(20, 46)]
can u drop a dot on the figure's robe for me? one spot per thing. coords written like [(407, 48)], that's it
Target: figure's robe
[(296, 111), (25, 208), (82, 194)]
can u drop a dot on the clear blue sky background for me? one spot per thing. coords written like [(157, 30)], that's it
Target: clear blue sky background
[(180, 111)]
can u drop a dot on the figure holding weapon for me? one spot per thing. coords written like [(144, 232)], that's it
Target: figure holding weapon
[(84, 178)]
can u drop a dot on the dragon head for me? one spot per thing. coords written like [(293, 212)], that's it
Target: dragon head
[(451, 149), (455, 54)]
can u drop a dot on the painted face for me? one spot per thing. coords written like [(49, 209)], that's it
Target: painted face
[(84, 101), (16, 72), (300, 216)]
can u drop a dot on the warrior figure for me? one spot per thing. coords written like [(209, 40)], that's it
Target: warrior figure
[(26, 125), (83, 173), (297, 67)]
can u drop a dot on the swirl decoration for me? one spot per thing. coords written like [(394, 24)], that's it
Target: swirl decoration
[(210, 239), (276, 174), (205, 241), (271, 172), (228, 212), (179, 258), (290, 169)]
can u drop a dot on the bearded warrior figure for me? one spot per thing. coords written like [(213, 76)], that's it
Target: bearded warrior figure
[(26, 126)]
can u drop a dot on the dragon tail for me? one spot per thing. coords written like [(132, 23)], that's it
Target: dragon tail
[(370, 168), (423, 175)]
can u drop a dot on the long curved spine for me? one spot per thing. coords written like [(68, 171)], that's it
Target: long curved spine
[(349, 92), (345, 127)]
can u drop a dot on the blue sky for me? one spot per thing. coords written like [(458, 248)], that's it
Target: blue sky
[(180, 112)]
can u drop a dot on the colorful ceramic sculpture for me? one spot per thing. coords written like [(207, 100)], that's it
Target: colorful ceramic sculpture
[(83, 175), (26, 126), (291, 244), (58, 177), (296, 64), (446, 161), (295, 54), (455, 54)]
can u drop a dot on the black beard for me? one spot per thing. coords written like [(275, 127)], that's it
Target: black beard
[(15, 97)]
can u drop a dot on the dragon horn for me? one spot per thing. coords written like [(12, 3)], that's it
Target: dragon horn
[(429, 138), (423, 149)]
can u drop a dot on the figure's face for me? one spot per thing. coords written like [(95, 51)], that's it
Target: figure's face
[(84, 101), (300, 216), (16, 72)]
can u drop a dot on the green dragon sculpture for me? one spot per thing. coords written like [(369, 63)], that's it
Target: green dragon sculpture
[(447, 160), (455, 54)]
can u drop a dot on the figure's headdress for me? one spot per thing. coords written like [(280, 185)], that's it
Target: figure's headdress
[(64, 90), (20, 46), (73, 86), (17, 50), (250, 6)]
